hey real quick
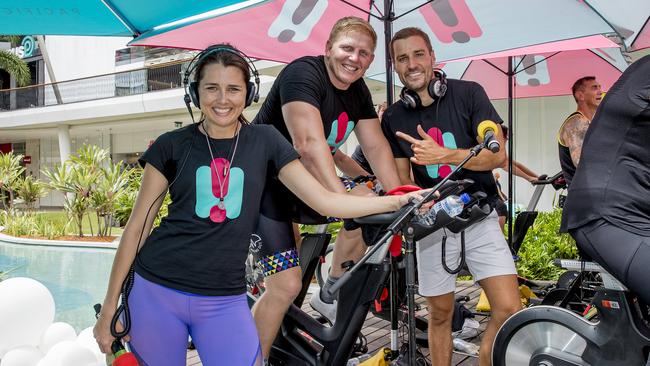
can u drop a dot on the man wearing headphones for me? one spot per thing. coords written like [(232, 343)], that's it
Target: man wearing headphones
[(316, 102), (431, 130)]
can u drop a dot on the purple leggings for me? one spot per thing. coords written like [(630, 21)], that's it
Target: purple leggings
[(222, 327)]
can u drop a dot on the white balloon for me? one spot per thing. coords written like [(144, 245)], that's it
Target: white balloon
[(22, 356), (69, 353), (26, 310), (55, 333), (87, 339)]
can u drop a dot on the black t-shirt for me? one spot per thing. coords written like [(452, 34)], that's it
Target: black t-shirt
[(452, 121), (568, 168), (306, 80), (360, 159), (612, 181), (199, 248)]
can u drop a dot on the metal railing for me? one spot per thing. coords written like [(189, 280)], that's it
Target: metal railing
[(118, 84)]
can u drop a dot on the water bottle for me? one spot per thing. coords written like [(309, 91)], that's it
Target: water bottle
[(357, 360), (466, 347), (452, 205)]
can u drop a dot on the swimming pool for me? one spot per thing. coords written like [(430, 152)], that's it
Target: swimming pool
[(76, 277)]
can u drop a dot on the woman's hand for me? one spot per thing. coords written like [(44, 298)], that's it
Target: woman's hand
[(102, 332), (418, 195)]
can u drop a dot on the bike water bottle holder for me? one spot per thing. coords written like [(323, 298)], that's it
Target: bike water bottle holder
[(476, 213)]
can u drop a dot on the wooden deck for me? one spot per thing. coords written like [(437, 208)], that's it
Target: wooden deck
[(377, 330)]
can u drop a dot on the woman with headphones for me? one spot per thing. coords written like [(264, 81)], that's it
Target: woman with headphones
[(186, 277)]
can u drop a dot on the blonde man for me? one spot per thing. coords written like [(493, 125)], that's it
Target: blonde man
[(316, 102)]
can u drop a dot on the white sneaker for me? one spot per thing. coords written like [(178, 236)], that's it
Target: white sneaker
[(325, 309)]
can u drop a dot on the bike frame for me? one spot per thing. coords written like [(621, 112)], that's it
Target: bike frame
[(619, 337)]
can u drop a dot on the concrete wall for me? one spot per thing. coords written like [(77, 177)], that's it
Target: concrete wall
[(537, 121), (97, 53)]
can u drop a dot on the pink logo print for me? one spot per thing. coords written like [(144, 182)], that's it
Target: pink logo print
[(340, 130), (219, 191), (443, 139), (451, 21), (219, 165)]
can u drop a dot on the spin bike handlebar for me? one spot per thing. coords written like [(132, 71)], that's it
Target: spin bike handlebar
[(473, 213), (556, 180), (448, 188), (402, 218)]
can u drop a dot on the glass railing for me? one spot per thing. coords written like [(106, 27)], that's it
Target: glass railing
[(119, 84)]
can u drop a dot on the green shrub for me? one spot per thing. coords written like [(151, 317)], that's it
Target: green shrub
[(543, 244), (17, 223), (126, 200), (30, 190), (332, 229)]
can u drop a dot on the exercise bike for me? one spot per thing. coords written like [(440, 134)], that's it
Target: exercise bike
[(303, 340), (550, 335)]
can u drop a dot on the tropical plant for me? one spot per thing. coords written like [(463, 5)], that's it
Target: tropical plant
[(332, 229), (30, 190), (90, 181), (10, 171), (13, 64), (66, 178), (17, 223), (106, 194), (77, 178), (126, 200), (50, 229), (4, 274), (543, 244)]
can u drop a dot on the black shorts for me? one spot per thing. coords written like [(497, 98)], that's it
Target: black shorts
[(624, 254), (273, 243), (501, 208)]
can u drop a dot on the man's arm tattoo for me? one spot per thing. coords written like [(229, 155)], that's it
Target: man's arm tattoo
[(574, 135)]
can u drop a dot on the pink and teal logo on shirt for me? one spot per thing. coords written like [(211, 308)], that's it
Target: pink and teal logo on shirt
[(443, 139), (341, 129), (208, 191)]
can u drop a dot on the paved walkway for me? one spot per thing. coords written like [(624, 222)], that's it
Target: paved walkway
[(377, 330)]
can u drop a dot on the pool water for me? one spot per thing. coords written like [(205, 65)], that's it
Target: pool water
[(76, 277)]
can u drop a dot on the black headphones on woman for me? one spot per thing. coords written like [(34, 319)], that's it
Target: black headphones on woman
[(192, 88), (437, 89)]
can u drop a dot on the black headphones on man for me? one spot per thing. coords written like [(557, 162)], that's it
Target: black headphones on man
[(192, 88), (437, 89)]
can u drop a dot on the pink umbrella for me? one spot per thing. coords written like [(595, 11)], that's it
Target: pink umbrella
[(539, 74), (628, 18), (282, 30), (643, 38)]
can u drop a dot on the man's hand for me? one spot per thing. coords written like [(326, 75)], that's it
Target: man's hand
[(425, 151)]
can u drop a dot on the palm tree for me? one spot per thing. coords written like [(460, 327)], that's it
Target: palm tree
[(13, 64)]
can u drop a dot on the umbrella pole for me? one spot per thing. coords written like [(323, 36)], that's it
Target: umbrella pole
[(510, 150), (394, 311), (389, 16)]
